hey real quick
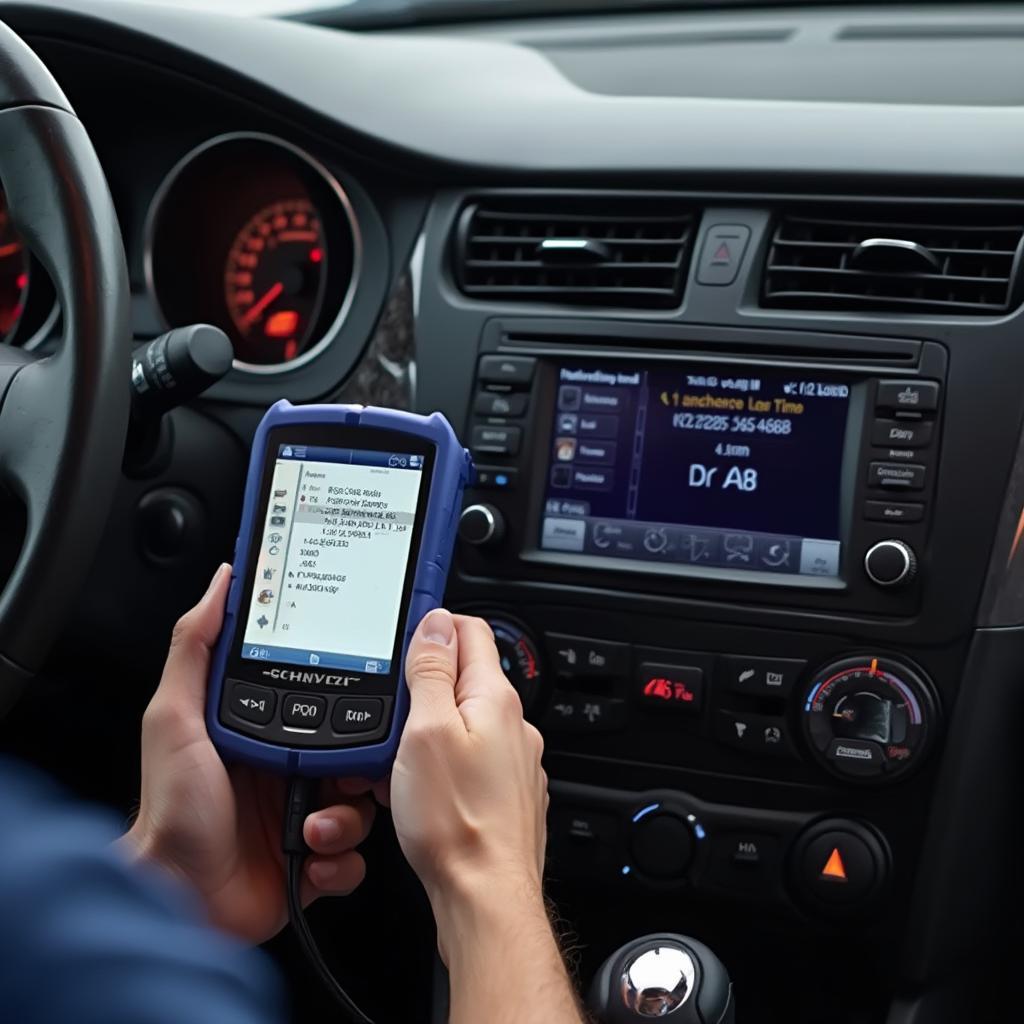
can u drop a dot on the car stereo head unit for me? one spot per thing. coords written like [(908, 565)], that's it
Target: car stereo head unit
[(621, 466), (702, 466)]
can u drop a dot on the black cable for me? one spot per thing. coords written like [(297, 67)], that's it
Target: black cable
[(300, 802)]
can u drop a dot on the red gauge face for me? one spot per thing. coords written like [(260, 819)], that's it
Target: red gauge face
[(13, 274), (274, 282)]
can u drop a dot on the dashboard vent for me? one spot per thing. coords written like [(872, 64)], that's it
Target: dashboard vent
[(935, 259), (597, 250)]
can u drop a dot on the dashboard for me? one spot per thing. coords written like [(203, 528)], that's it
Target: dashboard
[(734, 331)]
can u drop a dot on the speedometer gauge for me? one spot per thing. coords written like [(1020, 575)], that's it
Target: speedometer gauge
[(274, 281), (254, 235), (13, 274)]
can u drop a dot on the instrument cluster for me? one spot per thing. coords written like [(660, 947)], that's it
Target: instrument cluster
[(253, 235)]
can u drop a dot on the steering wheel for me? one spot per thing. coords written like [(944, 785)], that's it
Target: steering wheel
[(63, 418)]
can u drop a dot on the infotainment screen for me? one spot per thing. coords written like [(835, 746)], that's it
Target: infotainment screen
[(709, 466)]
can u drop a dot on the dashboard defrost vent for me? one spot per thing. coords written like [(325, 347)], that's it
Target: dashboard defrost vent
[(595, 250), (901, 258)]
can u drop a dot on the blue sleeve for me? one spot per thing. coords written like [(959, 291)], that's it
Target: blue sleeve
[(86, 937)]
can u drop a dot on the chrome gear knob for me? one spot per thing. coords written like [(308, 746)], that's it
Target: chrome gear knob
[(659, 977)]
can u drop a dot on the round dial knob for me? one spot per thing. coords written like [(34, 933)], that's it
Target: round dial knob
[(481, 525), (661, 844), (890, 563), (869, 718), (519, 659)]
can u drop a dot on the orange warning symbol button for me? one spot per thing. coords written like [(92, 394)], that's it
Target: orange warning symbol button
[(834, 869)]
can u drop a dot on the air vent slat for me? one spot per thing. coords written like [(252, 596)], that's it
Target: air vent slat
[(611, 268), (938, 250), (863, 301), (966, 259), (611, 250), (882, 275)]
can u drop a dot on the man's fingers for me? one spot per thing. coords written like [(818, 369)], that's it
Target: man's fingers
[(348, 788), (196, 632), (476, 644), (332, 876), (431, 669), (480, 674), (339, 828)]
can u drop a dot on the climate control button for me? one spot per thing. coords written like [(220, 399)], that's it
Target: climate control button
[(662, 845)]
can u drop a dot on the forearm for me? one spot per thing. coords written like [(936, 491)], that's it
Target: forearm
[(504, 963)]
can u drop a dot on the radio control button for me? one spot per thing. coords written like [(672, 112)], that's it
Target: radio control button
[(510, 370), (253, 703), (761, 677), (563, 534), (499, 403), (578, 656), (496, 440), (893, 512), (496, 478), (303, 711), (902, 433), (481, 525), (893, 475), (890, 563), (357, 714), (908, 395)]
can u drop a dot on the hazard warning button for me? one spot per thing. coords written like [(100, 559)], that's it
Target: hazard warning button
[(840, 864), (722, 253)]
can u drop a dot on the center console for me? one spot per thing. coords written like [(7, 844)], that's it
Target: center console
[(671, 533), (739, 563)]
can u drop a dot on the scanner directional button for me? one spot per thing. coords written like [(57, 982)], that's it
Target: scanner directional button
[(253, 703)]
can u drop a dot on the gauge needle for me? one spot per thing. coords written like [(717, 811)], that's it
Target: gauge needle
[(10, 249), (257, 308)]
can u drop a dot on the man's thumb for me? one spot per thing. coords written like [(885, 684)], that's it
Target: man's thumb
[(432, 667)]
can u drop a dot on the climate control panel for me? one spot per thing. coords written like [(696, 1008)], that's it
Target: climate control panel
[(862, 719)]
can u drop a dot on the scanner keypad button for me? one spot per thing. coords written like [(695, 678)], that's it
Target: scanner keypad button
[(252, 703), (357, 714)]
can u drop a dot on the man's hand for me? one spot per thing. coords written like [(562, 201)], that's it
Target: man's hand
[(469, 798), (220, 828)]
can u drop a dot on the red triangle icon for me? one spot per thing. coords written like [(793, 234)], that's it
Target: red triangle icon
[(834, 869), (722, 254)]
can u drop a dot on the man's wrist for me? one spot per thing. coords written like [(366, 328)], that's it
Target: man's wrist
[(491, 937), (485, 909), (141, 845)]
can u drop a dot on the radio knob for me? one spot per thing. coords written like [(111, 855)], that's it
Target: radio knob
[(890, 563), (481, 525)]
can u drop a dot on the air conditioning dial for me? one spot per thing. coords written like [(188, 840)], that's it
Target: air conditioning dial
[(869, 719)]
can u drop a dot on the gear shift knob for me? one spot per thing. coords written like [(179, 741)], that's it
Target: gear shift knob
[(662, 976)]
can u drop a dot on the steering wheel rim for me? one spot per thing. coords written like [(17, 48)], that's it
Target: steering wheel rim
[(63, 418)]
